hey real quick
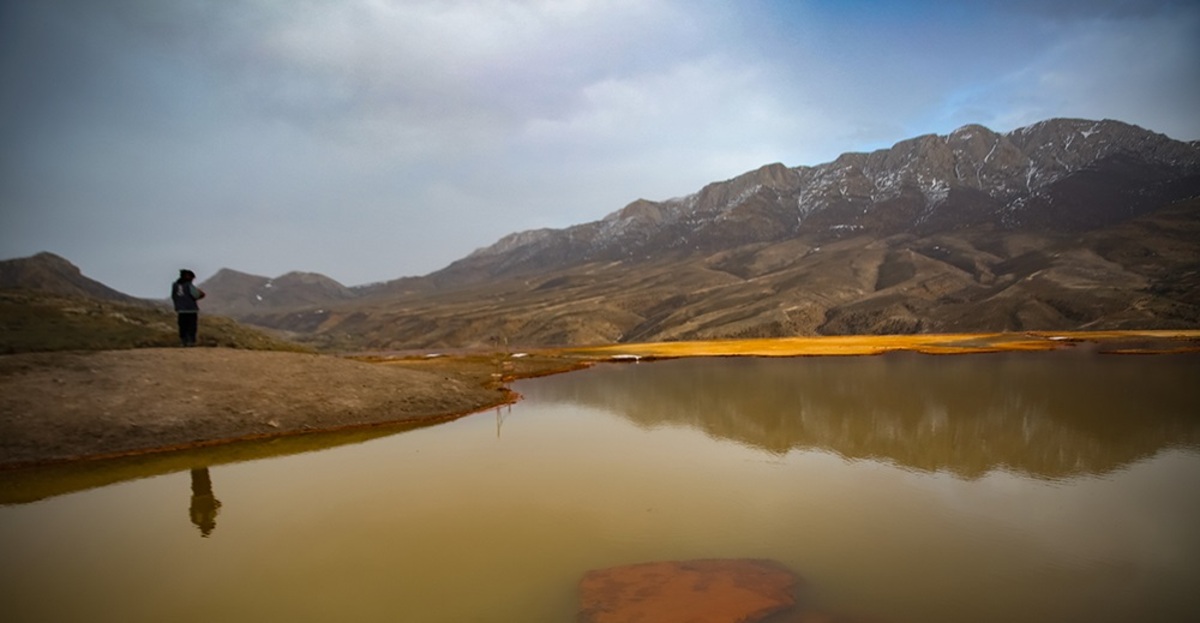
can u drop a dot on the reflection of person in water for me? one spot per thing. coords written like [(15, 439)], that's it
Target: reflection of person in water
[(204, 504)]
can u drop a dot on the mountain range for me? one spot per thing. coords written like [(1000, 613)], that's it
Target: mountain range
[(1064, 224)]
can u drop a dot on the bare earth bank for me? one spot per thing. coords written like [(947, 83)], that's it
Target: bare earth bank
[(63, 406)]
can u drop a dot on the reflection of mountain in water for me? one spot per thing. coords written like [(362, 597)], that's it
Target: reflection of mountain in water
[(1051, 415)]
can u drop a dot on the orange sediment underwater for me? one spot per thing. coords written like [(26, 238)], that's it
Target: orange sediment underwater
[(1164, 341)]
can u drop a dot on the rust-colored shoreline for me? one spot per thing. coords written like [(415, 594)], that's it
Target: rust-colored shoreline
[(1150, 342)]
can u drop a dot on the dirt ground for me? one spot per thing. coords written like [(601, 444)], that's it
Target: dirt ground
[(64, 406)]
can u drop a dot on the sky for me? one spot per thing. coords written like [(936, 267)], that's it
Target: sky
[(372, 139)]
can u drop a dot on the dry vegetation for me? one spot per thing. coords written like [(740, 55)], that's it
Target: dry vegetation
[(33, 321), (943, 344)]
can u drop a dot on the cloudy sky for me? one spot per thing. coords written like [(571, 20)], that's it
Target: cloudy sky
[(373, 139)]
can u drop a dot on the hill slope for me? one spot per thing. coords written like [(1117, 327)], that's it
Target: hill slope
[(47, 272), (32, 321)]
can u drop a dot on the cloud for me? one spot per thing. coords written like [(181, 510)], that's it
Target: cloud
[(370, 139), (1143, 68), (424, 69), (710, 104)]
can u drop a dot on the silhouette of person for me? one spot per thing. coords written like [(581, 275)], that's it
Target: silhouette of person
[(185, 296), (204, 504)]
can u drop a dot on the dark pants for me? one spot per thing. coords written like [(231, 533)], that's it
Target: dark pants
[(187, 328)]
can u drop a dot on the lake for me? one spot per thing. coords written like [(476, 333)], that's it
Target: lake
[(1059, 486)]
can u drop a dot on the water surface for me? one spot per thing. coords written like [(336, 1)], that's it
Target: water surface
[(1032, 487)]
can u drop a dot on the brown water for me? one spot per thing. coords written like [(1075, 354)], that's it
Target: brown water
[(1032, 487)]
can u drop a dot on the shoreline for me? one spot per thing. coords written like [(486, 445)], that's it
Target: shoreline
[(84, 407)]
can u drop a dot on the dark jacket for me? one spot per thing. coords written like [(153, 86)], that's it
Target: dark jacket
[(184, 295)]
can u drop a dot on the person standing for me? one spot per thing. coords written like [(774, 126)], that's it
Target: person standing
[(184, 294)]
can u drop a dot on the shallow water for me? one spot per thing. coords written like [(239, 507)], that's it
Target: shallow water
[(1032, 487)]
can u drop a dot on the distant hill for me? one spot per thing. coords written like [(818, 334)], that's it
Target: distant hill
[(237, 293), (47, 272)]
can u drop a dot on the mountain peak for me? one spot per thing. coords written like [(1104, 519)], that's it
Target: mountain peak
[(234, 292), (970, 128), (48, 272), (229, 273)]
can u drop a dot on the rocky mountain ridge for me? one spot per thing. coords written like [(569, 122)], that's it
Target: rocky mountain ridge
[(1065, 224), (972, 176)]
